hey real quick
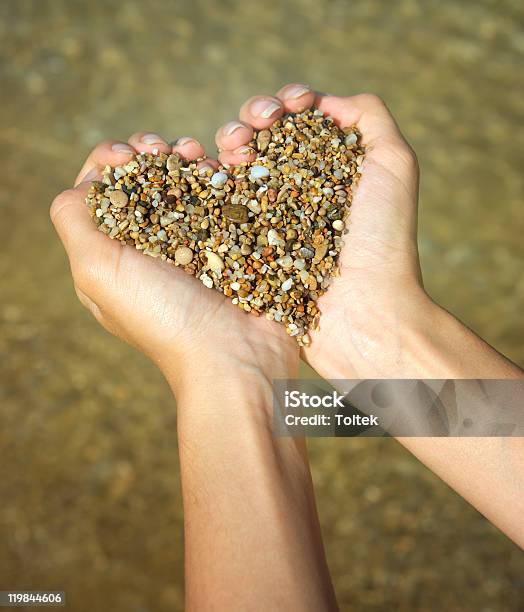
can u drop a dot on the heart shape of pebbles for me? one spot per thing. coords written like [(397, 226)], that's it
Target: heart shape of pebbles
[(266, 234)]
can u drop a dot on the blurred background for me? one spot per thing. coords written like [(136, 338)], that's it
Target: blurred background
[(89, 479)]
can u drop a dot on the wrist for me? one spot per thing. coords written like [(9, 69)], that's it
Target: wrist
[(409, 336), (380, 338), (235, 368)]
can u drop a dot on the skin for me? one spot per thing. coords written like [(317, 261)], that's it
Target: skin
[(243, 489), (377, 322)]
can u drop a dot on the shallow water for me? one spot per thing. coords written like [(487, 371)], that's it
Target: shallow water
[(89, 477)]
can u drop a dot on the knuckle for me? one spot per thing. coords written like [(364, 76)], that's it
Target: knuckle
[(404, 153), (371, 100), (408, 155), (84, 274), (60, 202)]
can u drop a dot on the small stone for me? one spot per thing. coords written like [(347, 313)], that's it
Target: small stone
[(285, 262), (235, 212), (306, 253), (287, 284), (263, 140), (274, 238), (258, 172), (214, 261), (321, 250), (219, 179), (118, 198), (173, 162), (339, 225), (351, 139), (183, 255), (235, 286), (207, 280)]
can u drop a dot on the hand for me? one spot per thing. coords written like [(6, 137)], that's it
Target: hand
[(378, 295), (158, 308)]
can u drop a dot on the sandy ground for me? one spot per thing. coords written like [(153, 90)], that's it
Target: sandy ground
[(89, 479)]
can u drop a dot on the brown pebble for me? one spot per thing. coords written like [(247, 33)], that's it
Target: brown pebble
[(118, 198), (235, 212)]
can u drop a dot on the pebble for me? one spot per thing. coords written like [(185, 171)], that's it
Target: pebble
[(321, 250), (263, 140), (219, 179), (207, 280), (183, 256), (118, 198), (235, 286), (258, 172), (173, 162), (285, 262), (214, 261), (235, 212), (287, 284), (274, 238), (339, 225), (306, 253)]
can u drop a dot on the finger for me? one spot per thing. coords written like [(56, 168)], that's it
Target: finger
[(76, 229), (261, 111), (367, 111), (207, 166), (296, 97), (188, 148), (149, 142), (233, 135), (242, 154), (109, 152)]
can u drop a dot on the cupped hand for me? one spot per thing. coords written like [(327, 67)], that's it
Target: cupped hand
[(160, 309), (368, 308)]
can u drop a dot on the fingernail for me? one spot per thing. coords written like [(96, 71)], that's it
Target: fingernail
[(184, 141), (151, 139), (264, 108), (119, 147), (204, 168), (295, 91), (91, 175), (231, 127), (243, 151)]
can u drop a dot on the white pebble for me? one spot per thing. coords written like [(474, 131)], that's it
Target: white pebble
[(285, 262), (274, 238), (218, 179), (287, 284), (350, 139), (338, 225), (235, 286), (258, 172), (214, 261), (208, 281)]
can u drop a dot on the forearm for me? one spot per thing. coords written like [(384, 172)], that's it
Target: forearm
[(426, 342), (408, 338), (252, 536)]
